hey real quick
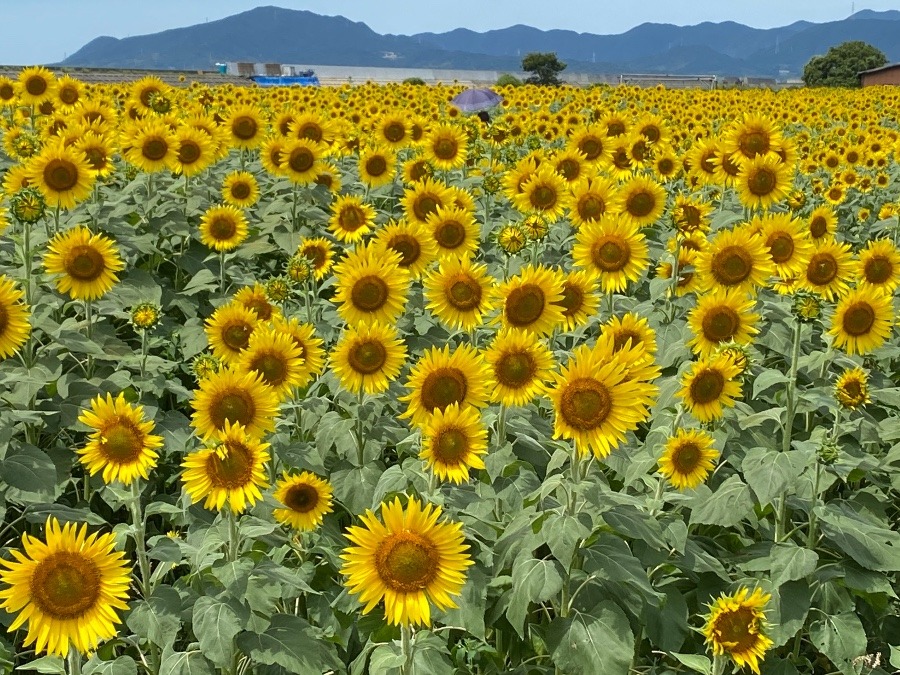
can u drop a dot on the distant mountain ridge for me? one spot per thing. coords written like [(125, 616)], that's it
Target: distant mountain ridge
[(276, 35)]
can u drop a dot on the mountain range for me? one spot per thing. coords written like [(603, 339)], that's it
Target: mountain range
[(277, 35)]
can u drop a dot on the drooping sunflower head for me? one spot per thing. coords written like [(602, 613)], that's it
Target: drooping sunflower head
[(306, 498), (735, 626), (688, 458), (410, 560), (86, 263), (69, 588)]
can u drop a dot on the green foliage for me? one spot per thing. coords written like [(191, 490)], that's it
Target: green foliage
[(840, 66), (508, 80), (544, 67), (413, 80)]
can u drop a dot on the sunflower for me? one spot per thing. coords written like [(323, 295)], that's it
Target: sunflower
[(596, 403), (688, 458), (640, 201), (377, 166), (723, 315), (592, 142), (69, 92), (736, 259), (320, 253), (306, 498), (240, 189), (453, 441), (194, 151), (424, 198), (300, 161), (393, 130), (368, 358), (121, 444), (151, 146), (752, 136), (245, 127), (68, 588), (454, 231), (445, 147), (351, 218), (143, 90), (828, 270), (545, 193), (256, 299), (520, 364), (86, 262), (459, 293), (442, 377), (272, 155), (99, 150), (36, 85), (314, 127), (763, 181), (735, 626), (580, 300), (614, 250), (232, 397), (822, 222), (412, 241), (229, 329), (15, 324), (409, 560), (62, 174), (234, 472), (630, 328), (531, 300), (275, 357), (416, 169), (710, 385), (862, 320), (788, 243), (223, 227), (690, 215), (304, 336), (370, 287), (852, 388), (879, 265), (592, 199), (570, 164)]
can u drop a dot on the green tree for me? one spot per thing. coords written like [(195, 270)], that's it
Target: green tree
[(507, 79), (544, 68), (839, 67)]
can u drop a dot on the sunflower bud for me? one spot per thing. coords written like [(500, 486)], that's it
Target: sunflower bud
[(491, 184), (278, 289), (299, 268), (807, 307), (146, 315), (28, 205), (512, 238), (205, 365), (535, 227), (828, 453)]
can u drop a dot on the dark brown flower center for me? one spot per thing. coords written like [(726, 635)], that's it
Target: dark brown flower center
[(376, 166), (65, 585), (235, 406), (367, 356), (450, 446), (515, 369), (122, 442), (394, 131), (818, 226), (234, 470), (822, 269), (60, 175), (878, 269), (464, 294), (720, 324), (36, 85), (762, 182), (189, 152), (369, 294), (154, 148), (408, 247), (707, 386), (450, 234), (859, 319), (301, 159), (686, 457), (732, 265), (754, 143), (222, 228), (611, 253), (446, 149), (585, 404), (301, 498), (781, 247), (443, 387), (424, 206), (543, 197), (640, 204), (406, 562), (244, 127), (271, 366), (591, 147), (85, 263), (591, 207), (524, 305)]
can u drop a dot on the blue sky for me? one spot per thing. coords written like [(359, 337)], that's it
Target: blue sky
[(44, 31)]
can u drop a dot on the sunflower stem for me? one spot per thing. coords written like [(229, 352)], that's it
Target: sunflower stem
[(360, 441), (675, 272), (233, 534), (407, 649), (718, 664), (144, 352), (89, 330), (140, 536), (222, 272), (812, 533), (295, 189), (56, 219), (791, 389), (501, 426), (73, 661)]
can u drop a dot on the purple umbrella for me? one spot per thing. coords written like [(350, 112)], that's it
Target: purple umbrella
[(473, 100)]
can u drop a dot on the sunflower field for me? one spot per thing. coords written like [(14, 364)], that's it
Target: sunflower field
[(341, 380)]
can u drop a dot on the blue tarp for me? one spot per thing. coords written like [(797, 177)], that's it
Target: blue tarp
[(285, 80)]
